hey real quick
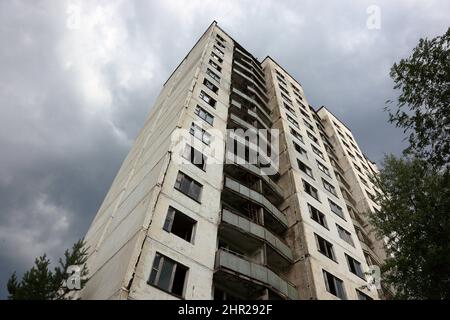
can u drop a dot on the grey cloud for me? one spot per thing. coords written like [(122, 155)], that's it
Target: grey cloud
[(73, 100)]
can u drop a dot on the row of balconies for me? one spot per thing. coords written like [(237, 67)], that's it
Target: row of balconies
[(241, 275), (252, 256)]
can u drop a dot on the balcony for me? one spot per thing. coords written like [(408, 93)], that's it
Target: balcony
[(261, 108), (244, 108), (275, 219), (254, 65), (249, 278), (246, 73), (238, 167), (237, 228)]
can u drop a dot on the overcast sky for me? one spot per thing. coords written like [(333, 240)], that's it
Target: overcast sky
[(75, 90)]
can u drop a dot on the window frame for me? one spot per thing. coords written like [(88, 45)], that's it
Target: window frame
[(158, 264), (309, 186), (179, 183), (341, 214), (340, 289), (170, 218), (322, 220)]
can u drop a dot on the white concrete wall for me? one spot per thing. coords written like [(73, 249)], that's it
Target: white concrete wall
[(304, 227)]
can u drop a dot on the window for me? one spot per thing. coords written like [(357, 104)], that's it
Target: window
[(188, 186), (215, 56), (215, 65), (345, 235), (351, 155), (281, 80), (292, 120), (317, 216), (301, 150), (180, 224), (336, 209), (220, 38), (329, 187), (362, 295), (220, 44), (325, 247), (309, 189), (196, 157), (303, 167), (334, 285), (205, 97), (301, 105), (285, 97), (210, 85), (307, 117), (318, 152), (288, 108), (279, 74), (204, 115), (168, 275), (220, 52), (296, 134), (210, 73), (312, 137), (323, 168), (357, 168), (200, 134), (363, 181), (349, 137), (355, 267), (283, 89)]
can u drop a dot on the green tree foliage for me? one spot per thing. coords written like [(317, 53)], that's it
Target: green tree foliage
[(423, 107), (41, 283), (415, 220)]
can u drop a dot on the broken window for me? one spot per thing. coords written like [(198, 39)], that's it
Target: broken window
[(210, 85), (303, 167), (334, 285), (205, 97), (329, 187), (180, 225), (195, 157), (297, 135), (317, 216), (355, 267), (309, 189), (325, 247), (168, 275)]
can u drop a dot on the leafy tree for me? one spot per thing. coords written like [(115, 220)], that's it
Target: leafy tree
[(40, 283), (414, 219), (423, 107)]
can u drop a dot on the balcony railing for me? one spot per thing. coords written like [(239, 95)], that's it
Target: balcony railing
[(236, 160), (263, 109), (257, 197), (257, 231), (256, 272)]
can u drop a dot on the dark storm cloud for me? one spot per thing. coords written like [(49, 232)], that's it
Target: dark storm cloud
[(75, 90)]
